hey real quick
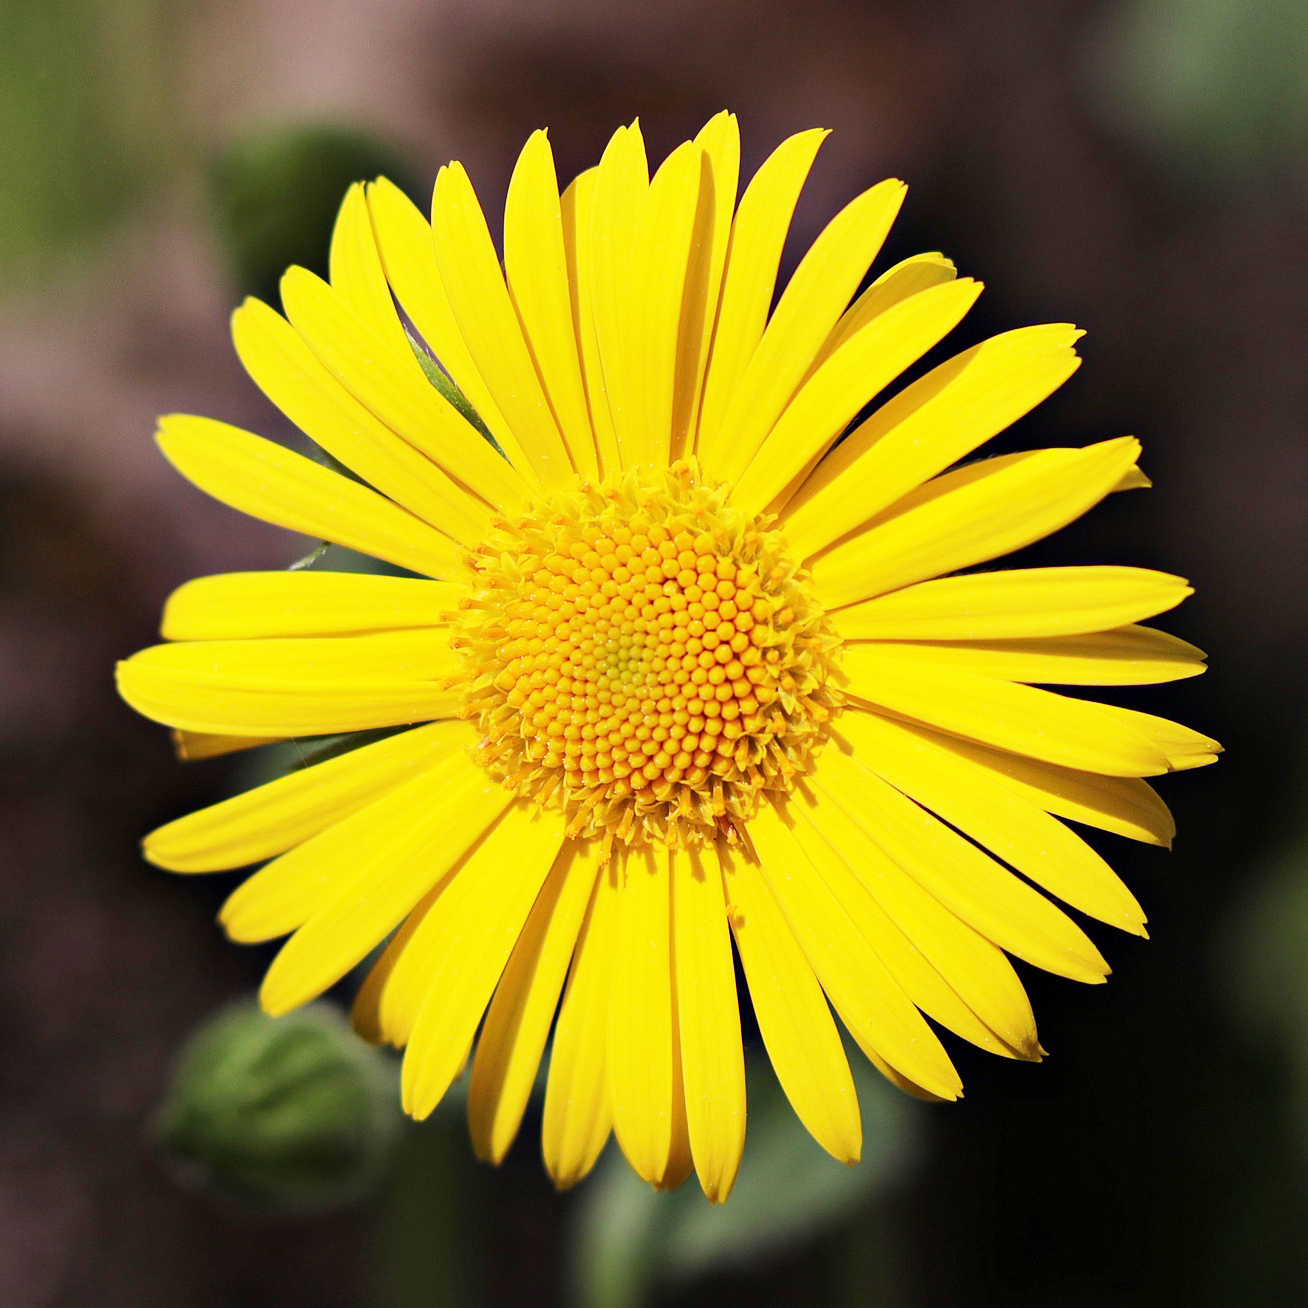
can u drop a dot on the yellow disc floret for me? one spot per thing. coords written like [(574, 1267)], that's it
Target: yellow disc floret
[(646, 656)]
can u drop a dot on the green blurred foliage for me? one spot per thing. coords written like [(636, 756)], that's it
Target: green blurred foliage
[(631, 1244), (1266, 967), (284, 1115), (86, 127), (276, 193), (1209, 84)]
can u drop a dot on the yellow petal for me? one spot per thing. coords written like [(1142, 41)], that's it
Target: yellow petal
[(866, 363), (365, 1012), (355, 270), (966, 881), (801, 1039), (713, 1066), (681, 1161), (463, 943), (286, 892), (479, 299), (578, 1109), (404, 240), (616, 204), (720, 141), (1128, 656), (995, 816), (536, 268), (907, 278), (282, 688), (518, 1021), (945, 415), (1041, 724), (280, 814), (1126, 806), (976, 970), (971, 515), (270, 482), (653, 299), (291, 376), (816, 296), (868, 999), (393, 388), (758, 234), (241, 605), (1019, 603), (641, 1016), (368, 872), (815, 827), (575, 206)]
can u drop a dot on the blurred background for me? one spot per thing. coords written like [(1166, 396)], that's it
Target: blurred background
[(1134, 166)]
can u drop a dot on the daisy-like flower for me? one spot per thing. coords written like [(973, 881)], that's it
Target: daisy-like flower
[(672, 664)]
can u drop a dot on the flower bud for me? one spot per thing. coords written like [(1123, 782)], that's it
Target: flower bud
[(281, 1114)]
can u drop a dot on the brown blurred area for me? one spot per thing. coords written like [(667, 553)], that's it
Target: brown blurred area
[(1109, 1176)]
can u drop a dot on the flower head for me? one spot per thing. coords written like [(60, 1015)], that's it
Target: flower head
[(679, 657)]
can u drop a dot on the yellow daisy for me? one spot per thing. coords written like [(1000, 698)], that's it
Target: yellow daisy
[(671, 667)]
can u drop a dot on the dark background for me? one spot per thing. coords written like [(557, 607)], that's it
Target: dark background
[(1136, 168)]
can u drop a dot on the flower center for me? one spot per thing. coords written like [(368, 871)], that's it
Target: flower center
[(646, 656)]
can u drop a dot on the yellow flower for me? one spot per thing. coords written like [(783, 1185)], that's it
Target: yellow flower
[(685, 669)]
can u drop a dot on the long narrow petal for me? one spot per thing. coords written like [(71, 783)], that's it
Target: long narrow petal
[(281, 688), (473, 281), (965, 880), (1128, 656), (355, 270), (654, 294), (404, 240), (903, 280), (518, 1022), (720, 141), (385, 858), (536, 268), (816, 296), (758, 234), (971, 515), (977, 970), (393, 388), (616, 204), (464, 943), (286, 892), (295, 380), (995, 816), (641, 1016), (932, 423), (861, 367), (1041, 724), (1021, 603), (281, 814), (365, 1012), (575, 206), (904, 958), (713, 1066), (578, 1108), (800, 1037), (242, 605), (271, 482), (863, 992), (1125, 806)]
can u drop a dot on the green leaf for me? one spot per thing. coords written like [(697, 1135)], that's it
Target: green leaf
[(442, 381)]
